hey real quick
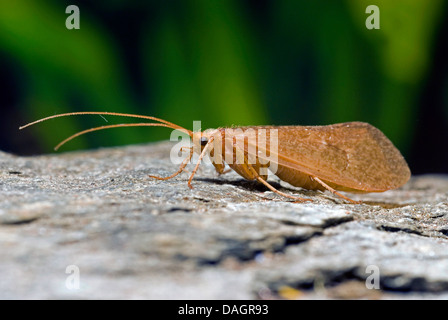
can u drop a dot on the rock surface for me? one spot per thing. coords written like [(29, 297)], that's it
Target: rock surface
[(98, 215)]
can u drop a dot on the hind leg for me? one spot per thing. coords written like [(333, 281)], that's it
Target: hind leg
[(326, 186), (263, 181)]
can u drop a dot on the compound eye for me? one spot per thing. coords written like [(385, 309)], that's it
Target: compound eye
[(204, 141)]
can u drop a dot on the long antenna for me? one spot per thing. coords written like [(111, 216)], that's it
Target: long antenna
[(122, 125), (163, 123), (102, 113)]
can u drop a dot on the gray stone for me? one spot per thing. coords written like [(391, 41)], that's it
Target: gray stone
[(131, 236)]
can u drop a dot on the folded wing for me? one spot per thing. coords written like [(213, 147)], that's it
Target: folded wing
[(353, 155)]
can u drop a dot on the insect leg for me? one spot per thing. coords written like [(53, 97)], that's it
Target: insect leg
[(326, 186), (199, 161), (218, 162), (249, 172), (181, 168), (225, 171), (260, 179)]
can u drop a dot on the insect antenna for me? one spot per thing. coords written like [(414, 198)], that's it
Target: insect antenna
[(102, 114), (119, 126), (162, 123)]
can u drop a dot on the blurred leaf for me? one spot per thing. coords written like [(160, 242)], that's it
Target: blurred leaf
[(78, 64), (403, 39), (403, 45), (198, 64)]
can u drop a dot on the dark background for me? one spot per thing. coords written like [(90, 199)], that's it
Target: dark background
[(225, 63)]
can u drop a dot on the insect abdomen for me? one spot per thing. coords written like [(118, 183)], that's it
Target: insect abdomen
[(297, 179)]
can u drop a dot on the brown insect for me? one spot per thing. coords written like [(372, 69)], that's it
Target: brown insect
[(353, 157)]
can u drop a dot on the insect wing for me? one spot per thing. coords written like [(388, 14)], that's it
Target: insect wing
[(353, 155)]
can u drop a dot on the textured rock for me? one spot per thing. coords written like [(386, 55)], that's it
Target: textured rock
[(131, 236)]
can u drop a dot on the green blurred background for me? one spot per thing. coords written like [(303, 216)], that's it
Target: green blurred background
[(225, 63)]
